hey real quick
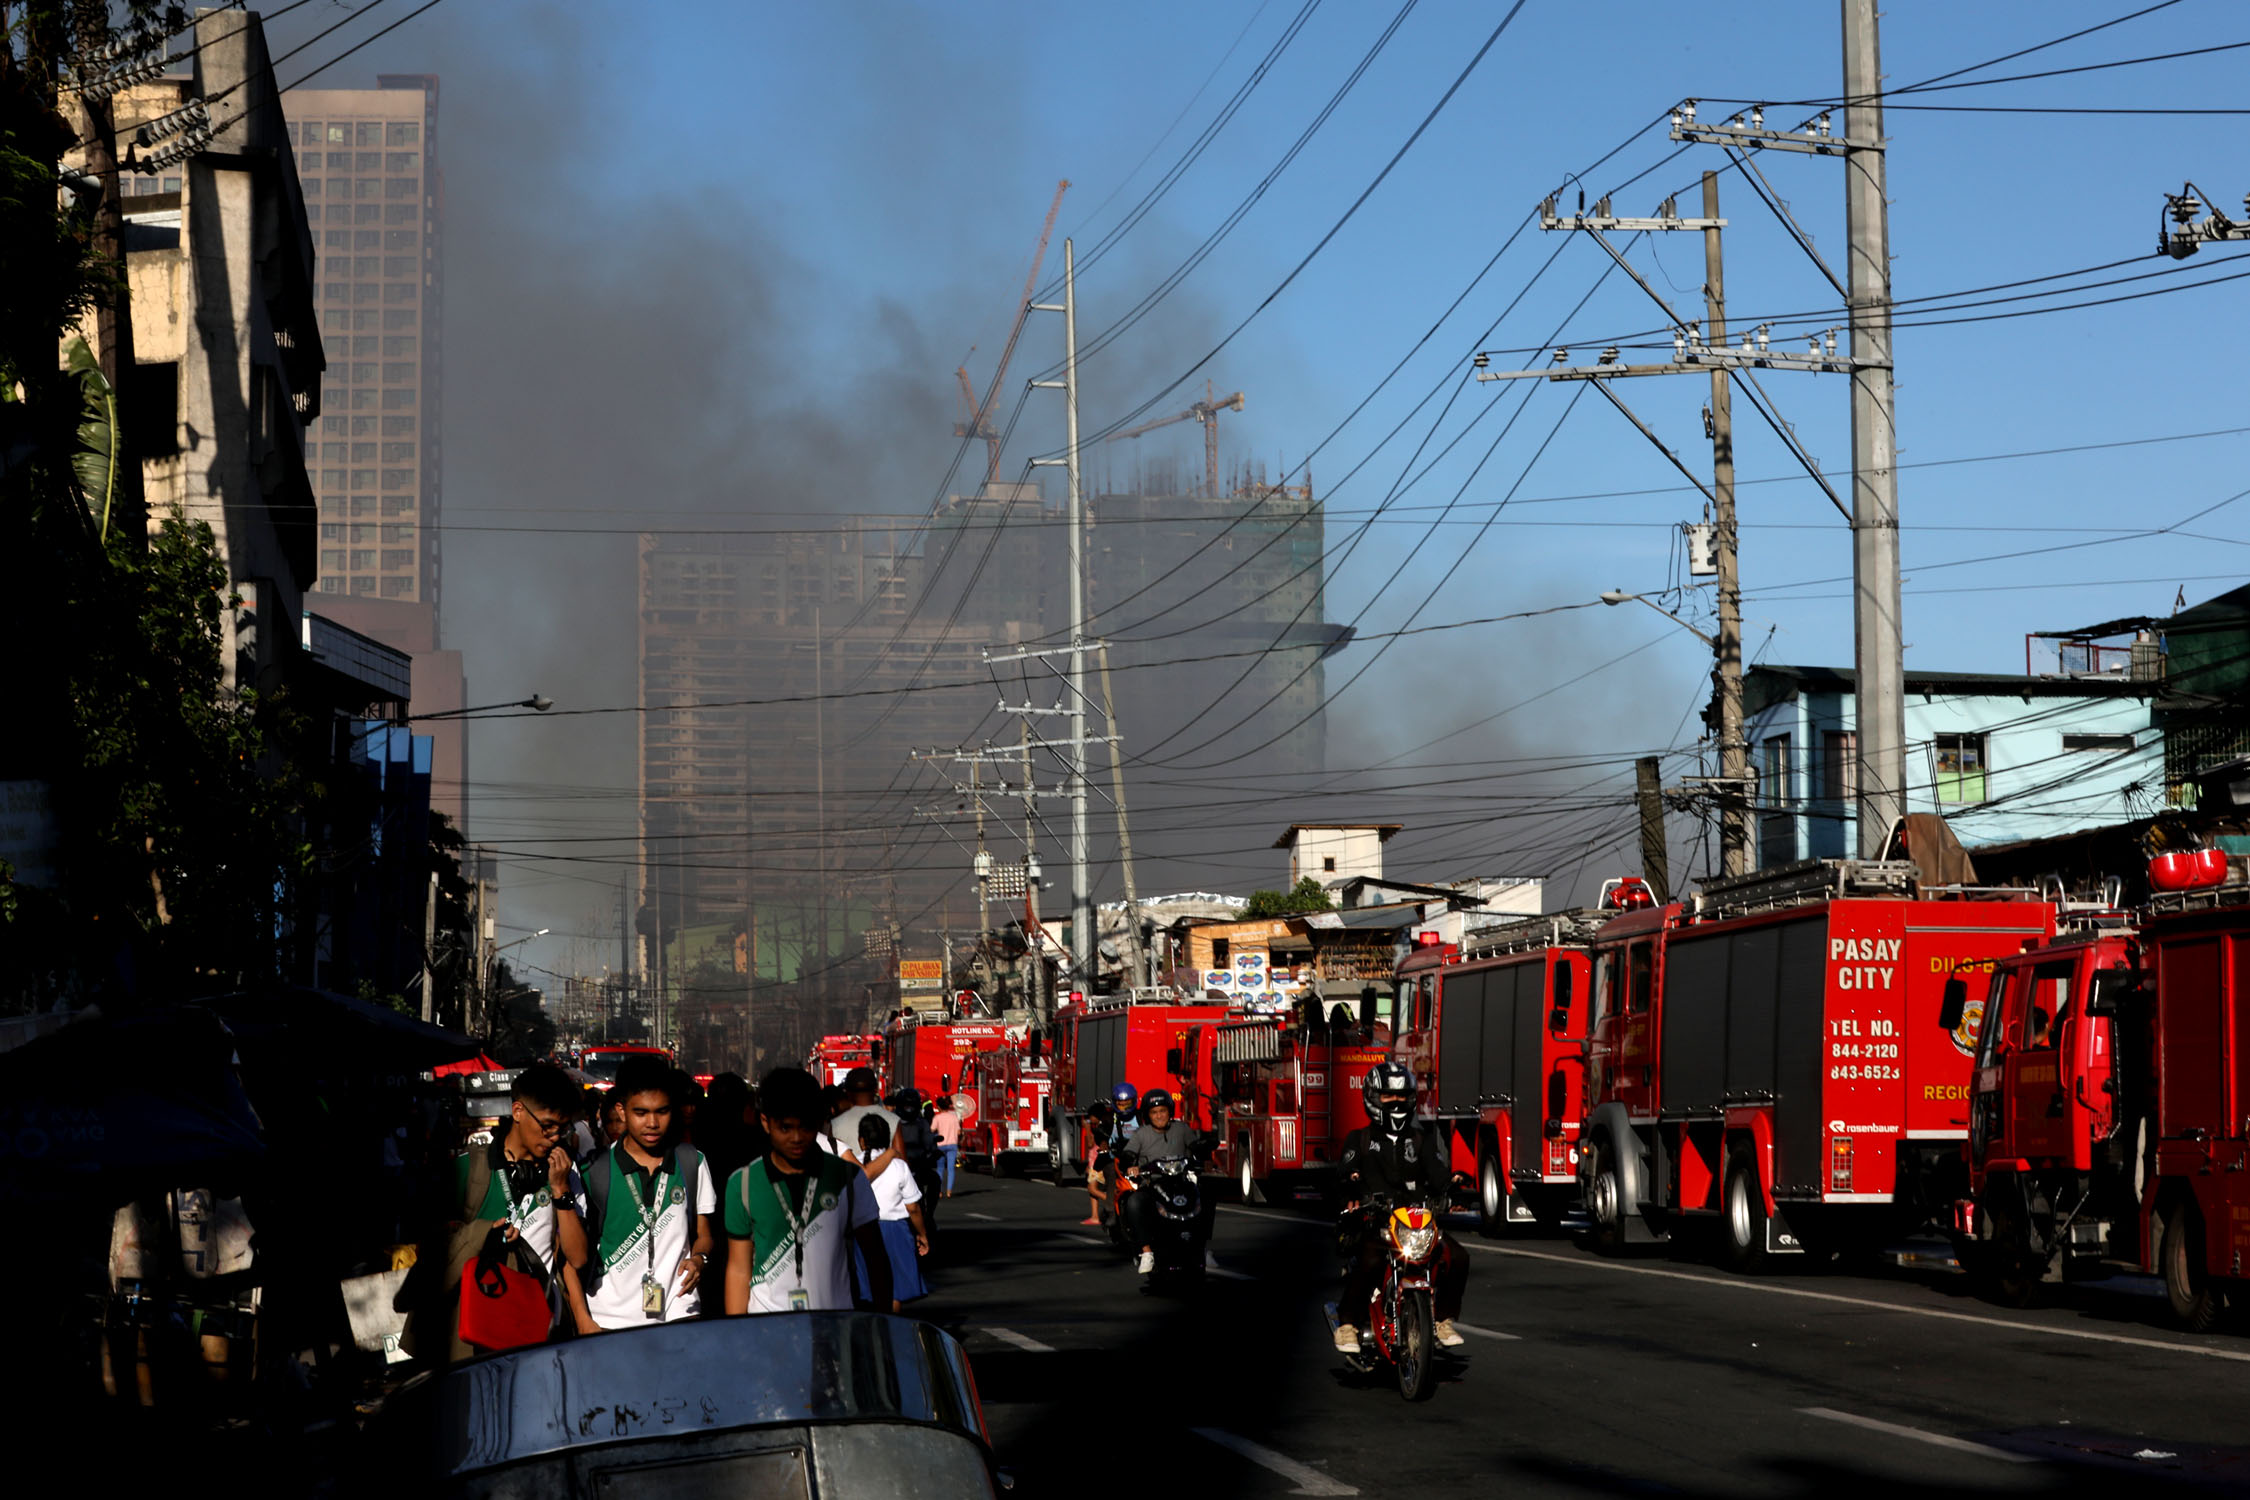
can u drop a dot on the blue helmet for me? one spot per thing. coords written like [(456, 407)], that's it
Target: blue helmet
[(1126, 1098)]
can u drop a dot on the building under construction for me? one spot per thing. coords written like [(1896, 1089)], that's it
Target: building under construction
[(792, 849)]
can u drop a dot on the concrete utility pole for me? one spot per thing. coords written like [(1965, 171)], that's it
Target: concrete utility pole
[(1726, 670), (1656, 861), (1084, 945), (1136, 959), (1040, 997), (1878, 645), (1697, 351)]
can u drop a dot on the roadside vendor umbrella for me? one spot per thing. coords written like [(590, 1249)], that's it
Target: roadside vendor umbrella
[(477, 1064)]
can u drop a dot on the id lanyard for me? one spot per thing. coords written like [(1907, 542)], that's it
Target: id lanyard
[(798, 1227), (649, 1216)]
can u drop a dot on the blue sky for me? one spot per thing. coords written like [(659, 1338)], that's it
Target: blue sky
[(881, 170)]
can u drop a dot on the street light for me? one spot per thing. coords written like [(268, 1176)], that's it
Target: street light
[(1619, 596), (538, 703), (519, 942)]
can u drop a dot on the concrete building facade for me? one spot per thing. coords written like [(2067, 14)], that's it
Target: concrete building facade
[(1334, 853), (227, 364)]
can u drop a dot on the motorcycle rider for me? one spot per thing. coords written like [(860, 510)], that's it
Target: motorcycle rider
[(1161, 1137), (1112, 1128), (1395, 1159)]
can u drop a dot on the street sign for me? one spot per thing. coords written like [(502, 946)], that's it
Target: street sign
[(921, 973)]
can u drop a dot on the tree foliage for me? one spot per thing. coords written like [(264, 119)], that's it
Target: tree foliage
[(1306, 895)]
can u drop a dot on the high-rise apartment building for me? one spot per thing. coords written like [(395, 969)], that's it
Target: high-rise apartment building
[(789, 675), (368, 159)]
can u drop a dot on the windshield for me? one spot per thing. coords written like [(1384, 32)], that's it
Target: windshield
[(603, 1069)]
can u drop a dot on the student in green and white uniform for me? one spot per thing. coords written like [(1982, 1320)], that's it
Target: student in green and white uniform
[(648, 1205), (794, 1214), (523, 1181)]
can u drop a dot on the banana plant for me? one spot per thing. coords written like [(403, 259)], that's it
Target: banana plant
[(97, 455)]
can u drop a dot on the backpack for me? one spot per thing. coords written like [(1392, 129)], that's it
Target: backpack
[(917, 1145), (830, 1173), (479, 1181), (599, 1173)]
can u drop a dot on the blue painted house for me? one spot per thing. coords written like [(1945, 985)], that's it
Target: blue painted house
[(2001, 757)]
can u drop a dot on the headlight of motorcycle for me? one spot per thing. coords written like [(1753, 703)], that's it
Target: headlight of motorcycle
[(1414, 1244), (1179, 1200)]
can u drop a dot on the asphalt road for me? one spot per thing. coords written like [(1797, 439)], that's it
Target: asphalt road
[(1653, 1374)]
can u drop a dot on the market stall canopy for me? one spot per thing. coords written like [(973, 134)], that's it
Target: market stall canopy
[(105, 1111), (477, 1064)]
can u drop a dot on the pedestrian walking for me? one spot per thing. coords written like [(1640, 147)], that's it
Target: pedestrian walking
[(945, 1124), (648, 1202), (794, 1215), (898, 1206), (520, 1186)]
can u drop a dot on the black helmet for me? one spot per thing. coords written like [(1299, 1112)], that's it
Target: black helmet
[(1155, 1097), (1388, 1078)]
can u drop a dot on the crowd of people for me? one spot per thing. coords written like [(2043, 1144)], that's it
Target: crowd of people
[(661, 1200)]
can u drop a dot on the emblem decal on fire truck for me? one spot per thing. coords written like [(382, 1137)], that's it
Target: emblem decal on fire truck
[(1964, 1036)]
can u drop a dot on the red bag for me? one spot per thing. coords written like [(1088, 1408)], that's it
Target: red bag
[(503, 1306)]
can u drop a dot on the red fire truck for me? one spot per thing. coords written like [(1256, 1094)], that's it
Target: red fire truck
[(600, 1063), (2109, 1123), (1495, 1034), (833, 1057), (1100, 1042), (930, 1055), (1005, 1125), (1280, 1096), (1768, 1055)]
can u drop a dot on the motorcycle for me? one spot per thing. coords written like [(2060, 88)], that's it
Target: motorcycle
[(1176, 1188), (1398, 1324)]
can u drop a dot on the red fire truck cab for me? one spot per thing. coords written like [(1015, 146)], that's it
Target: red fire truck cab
[(600, 1063), (1768, 1055), (1004, 1128), (2107, 1125), (1280, 1097), (1495, 1034), (833, 1057), (930, 1056), (1100, 1042)]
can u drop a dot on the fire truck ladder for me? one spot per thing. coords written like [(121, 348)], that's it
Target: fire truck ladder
[(1574, 926), (1803, 882)]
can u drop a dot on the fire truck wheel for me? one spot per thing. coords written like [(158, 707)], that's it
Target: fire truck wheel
[(1745, 1216), (1605, 1200), (1245, 1184), (2195, 1301), (1492, 1197)]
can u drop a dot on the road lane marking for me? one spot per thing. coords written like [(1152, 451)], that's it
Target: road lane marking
[(1021, 1341), (1222, 1271), (1486, 1333), (1934, 1439), (988, 1218), (2239, 1356), (1085, 1239), (1309, 1481), (1259, 1213)]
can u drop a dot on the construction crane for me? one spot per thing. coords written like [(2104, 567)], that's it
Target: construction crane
[(1205, 411), (979, 423)]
